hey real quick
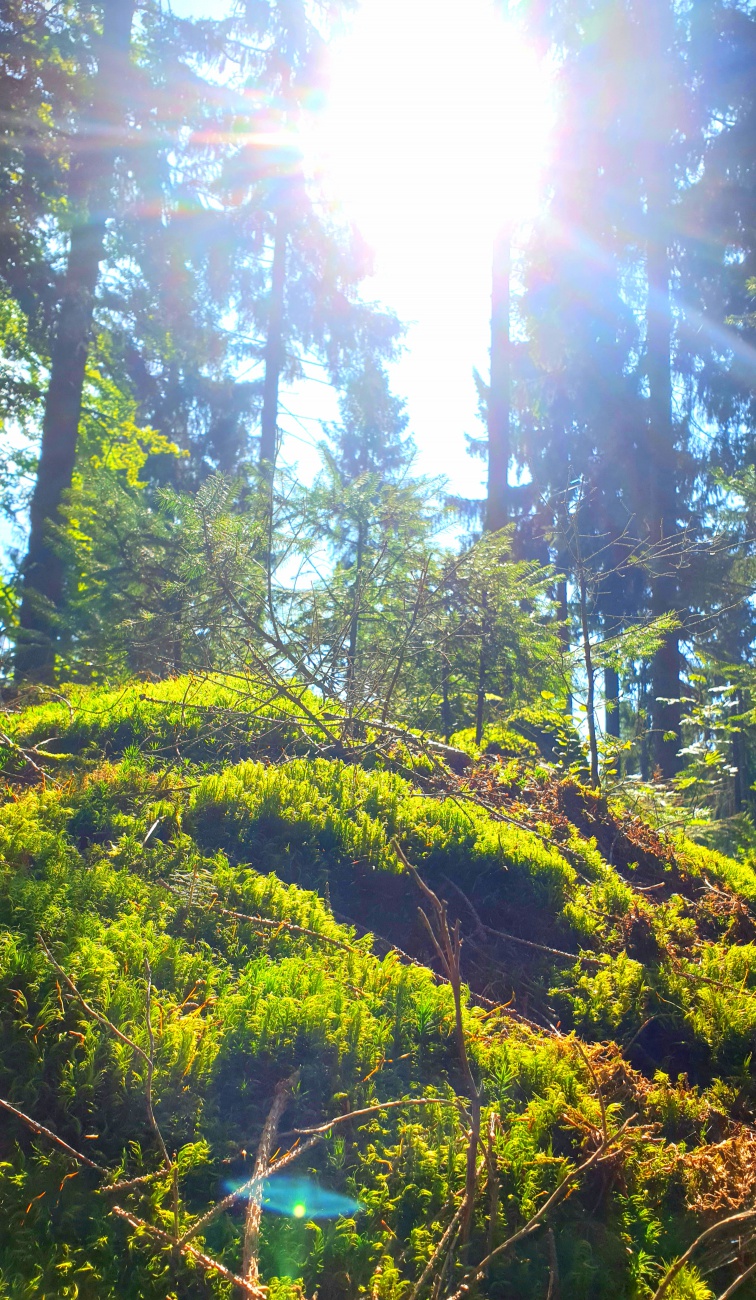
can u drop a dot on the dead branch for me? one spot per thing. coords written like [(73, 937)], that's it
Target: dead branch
[(553, 1291), (284, 1089), (445, 1240), (41, 1131), (736, 1285), (493, 1180), (205, 1262), (448, 946), (743, 1217), (266, 922), (477, 1273), (514, 938), (596, 1084), (90, 1010), (247, 1188), (149, 1059), (151, 1069), (127, 1184), (448, 1239), (372, 1110)]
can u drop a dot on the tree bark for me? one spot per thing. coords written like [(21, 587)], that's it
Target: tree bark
[(274, 353), (354, 620), (563, 619), (665, 669), (611, 703), (663, 514), (499, 399), (89, 195), (480, 703), (590, 673), (446, 714)]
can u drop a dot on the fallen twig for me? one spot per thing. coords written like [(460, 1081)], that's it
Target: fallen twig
[(205, 1262), (250, 1267), (372, 1110), (248, 1188), (448, 946), (42, 1131), (743, 1217), (479, 1271), (737, 1284)]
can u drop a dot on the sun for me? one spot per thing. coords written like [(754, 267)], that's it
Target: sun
[(436, 125)]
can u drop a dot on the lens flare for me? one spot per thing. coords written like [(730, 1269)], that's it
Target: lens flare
[(303, 1198)]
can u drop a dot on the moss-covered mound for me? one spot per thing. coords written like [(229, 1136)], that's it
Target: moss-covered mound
[(201, 913)]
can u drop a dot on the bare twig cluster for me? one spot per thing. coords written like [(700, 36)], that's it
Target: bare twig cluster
[(481, 1155), (266, 1164)]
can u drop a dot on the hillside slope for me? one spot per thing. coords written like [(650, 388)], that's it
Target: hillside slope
[(212, 944)]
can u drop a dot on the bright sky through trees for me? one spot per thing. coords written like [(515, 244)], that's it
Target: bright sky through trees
[(436, 128), (436, 131)]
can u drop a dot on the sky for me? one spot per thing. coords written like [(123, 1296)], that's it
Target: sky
[(434, 133)]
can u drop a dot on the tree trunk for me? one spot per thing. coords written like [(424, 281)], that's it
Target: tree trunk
[(446, 713), (590, 672), (354, 620), (663, 513), (274, 353), (563, 617), (611, 703), (665, 669), (499, 399), (480, 707), (89, 194)]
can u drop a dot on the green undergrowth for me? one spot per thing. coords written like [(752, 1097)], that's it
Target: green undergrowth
[(140, 859)]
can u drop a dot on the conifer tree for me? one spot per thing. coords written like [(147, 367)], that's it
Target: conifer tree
[(91, 177)]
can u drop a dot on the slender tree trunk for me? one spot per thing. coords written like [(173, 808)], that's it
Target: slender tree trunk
[(91, 181), (738, 759), (665, 669), (482, 673), (590, 673), (354, 621), (563, 617), (499, 400), (274, 352), (663, 514), (446, 714), (611, 703)]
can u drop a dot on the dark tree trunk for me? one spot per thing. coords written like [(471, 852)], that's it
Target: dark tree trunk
[(611, 703), (663, 523), (563, 617), (274, 353), (499, 400), (480, 705), (354, 620), (663, 461), (446, 713), (91, 181), (590, 673)]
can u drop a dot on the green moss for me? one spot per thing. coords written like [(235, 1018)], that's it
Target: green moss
[(170, 862)]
